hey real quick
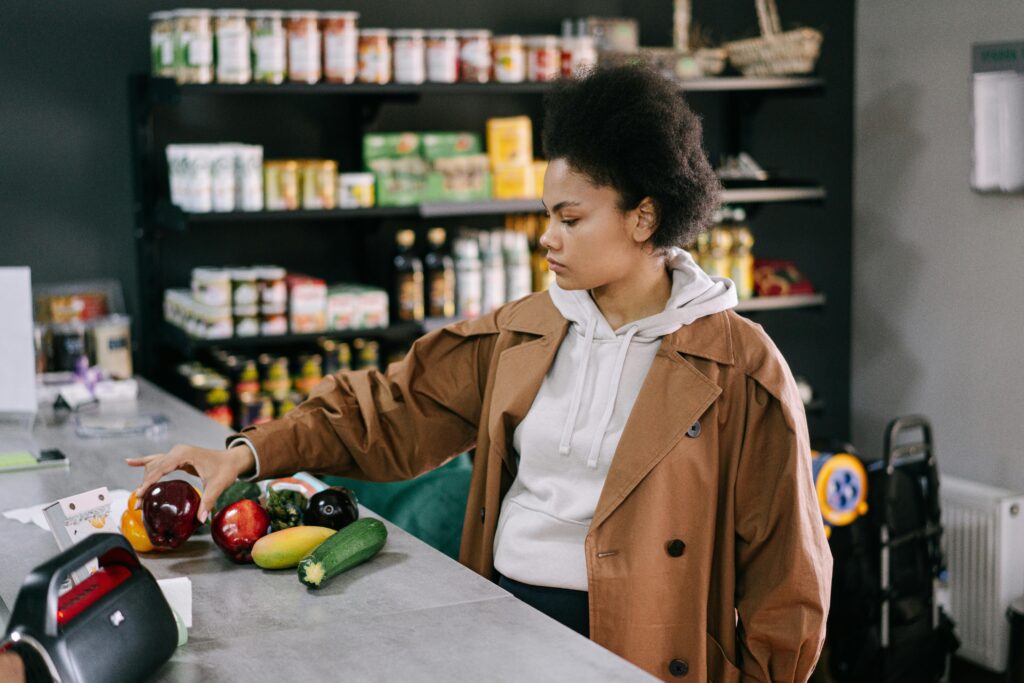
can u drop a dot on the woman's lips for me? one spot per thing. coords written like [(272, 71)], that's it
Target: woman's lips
[(555, 265)]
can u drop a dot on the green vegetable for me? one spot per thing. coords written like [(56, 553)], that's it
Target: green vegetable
[(285, 508), (353, 545), (240, 490)]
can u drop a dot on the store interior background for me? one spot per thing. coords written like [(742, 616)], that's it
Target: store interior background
[(936, 274)]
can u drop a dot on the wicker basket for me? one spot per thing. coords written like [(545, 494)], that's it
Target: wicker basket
[(775, 52), (708, 61)]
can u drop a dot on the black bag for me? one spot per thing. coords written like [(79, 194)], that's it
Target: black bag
[(114, 626)]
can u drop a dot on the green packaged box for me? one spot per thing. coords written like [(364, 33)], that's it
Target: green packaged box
[(441, 145)]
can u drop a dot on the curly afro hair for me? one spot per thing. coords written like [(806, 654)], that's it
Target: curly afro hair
[(628, 128)]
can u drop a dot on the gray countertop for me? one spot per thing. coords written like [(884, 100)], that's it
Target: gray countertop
[(411, 613)]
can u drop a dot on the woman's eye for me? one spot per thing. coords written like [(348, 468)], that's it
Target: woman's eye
[(569, 222)]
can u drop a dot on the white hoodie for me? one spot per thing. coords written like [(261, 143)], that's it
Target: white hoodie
[(566, 441)]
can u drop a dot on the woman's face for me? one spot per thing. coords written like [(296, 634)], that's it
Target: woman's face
[(589, 239)]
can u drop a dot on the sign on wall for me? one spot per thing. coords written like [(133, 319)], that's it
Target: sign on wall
[(998, 117)]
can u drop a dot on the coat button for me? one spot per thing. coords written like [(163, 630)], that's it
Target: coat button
[(675, 547), (678, 667), (694, 431)]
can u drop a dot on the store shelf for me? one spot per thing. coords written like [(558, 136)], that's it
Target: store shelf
[(177, 338), (167, 90), (171, 217), (481, 208), (774, 303), (780, 193), (740, 83)]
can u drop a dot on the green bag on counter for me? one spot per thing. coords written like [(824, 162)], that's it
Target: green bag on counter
[(431, 507)]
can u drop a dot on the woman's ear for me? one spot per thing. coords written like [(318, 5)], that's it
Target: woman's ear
[(646, 220)]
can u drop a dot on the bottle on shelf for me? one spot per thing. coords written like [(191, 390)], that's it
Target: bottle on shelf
[(408, 278), (440, 277), (742, 256), (542, 275), (468, 277), (518, 275), (493, 263)]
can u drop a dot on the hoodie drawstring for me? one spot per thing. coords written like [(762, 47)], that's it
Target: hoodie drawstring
[(613, 390), (565, 445)]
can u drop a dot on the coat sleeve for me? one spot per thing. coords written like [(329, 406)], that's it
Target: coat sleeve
[(387, 426), (783, 562)]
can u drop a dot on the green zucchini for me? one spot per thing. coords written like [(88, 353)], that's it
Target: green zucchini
[(351, 546)]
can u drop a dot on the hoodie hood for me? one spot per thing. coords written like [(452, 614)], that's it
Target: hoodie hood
[(695, 294)]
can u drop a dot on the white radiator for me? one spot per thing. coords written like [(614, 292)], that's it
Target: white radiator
[(983, 537)]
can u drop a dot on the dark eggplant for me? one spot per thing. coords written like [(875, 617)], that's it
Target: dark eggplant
[(335, 508)]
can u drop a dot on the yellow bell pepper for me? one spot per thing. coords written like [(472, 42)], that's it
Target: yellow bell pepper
[(133, 528)]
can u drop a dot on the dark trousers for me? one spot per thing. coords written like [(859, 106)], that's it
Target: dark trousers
[(561, 604)]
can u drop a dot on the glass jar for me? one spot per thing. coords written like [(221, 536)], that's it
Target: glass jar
[(474, 56), (269, 46), (193, 30), (509, 59), (232, 46), (578, 55), (281, 185), (408, 48), (319, 183), (341, 46), (303, 47), (374, 56), (442, 56), (161, 44), (543, 62)]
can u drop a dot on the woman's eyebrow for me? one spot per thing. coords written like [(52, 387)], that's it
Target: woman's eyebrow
[(560, 205)]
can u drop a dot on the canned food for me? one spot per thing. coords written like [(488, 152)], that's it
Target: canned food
[(374, 56), (318, 183), (303, 47), (273, 324), (273, 289), (193, 29), (161, 44), (232, 46), (269, 47), (341, 46), (442, 56), (509, 59), (212, 286), (578, 55), (409, 53), (356, 190), (281, 185), (474, 56), (544, 58)]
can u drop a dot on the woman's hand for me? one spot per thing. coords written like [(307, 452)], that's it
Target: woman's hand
[(217, 469)]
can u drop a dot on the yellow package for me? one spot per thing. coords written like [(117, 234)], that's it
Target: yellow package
[(514, 181), (540, 167), (510, 140)]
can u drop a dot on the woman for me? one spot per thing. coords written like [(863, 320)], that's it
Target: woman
[(642, 468)]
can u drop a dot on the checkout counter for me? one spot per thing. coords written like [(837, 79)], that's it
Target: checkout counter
[(409, 614)]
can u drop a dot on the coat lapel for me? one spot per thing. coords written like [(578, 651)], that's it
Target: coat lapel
[(521, 369), (673, 396)]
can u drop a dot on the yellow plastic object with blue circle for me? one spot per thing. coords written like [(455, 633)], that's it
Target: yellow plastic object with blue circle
[(842, 486)]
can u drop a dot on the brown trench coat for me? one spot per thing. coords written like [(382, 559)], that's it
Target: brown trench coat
[(748, 595)]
